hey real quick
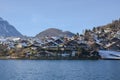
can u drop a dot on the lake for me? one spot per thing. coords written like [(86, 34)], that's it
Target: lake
[(59, 70)]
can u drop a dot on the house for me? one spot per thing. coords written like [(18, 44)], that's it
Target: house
[(21, 45), (65, 55), (74, 53), (107, 30), (91, 41), (51, 43), (44, 54), (115, 40), (71, 43), (59, 41), (117, 35), (115, 46), (83, 45), (95, 46)]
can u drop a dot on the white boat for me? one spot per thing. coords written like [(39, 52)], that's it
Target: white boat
[(109, 54)]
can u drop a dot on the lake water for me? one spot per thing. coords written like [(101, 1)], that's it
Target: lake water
[(59, 70)]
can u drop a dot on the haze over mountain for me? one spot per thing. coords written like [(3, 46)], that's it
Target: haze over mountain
[(7, 30), (54, 32)]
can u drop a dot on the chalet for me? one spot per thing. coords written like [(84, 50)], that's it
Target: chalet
[(95, 46), (117, 35), (11, 45), (59, 41), (73, 53), (91, 41), (44, 54), (33, 47), (65, 55), (83, 45), (71, 43), (115, 46), (115, 40), (21, 45), (107, 30), (50, 43)]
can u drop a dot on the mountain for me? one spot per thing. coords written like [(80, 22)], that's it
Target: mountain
[(7, 30), (54, 32)]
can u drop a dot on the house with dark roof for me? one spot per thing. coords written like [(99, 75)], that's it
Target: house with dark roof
[(115, 46)]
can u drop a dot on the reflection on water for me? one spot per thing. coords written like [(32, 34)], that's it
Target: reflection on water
[(59, 70)]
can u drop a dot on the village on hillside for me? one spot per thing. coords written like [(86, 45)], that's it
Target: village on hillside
[(79, 46), (76, 47)]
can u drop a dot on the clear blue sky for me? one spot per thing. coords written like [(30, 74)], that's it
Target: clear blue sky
[(33, 16)]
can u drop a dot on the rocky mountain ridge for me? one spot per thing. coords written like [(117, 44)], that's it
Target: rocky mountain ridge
[(7, 30)]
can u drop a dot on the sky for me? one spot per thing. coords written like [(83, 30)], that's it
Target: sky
[(30, 17)]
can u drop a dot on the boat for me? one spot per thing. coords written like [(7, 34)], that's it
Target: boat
[(113, 55)]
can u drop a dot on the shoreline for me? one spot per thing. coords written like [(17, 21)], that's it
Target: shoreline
[(57, 59), (50, 58)]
